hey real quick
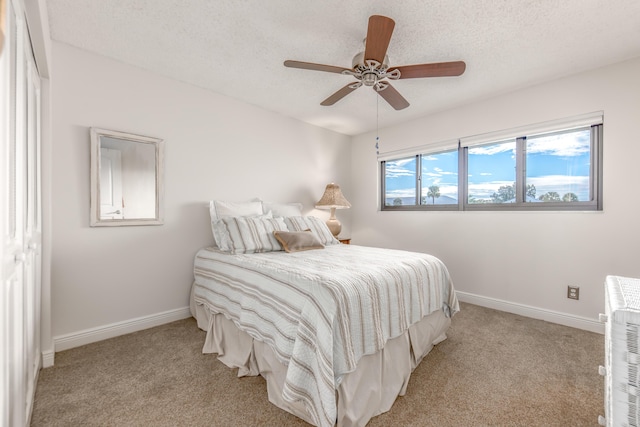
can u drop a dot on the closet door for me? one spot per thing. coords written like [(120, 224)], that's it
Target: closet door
[(20, 219), (32, 231)]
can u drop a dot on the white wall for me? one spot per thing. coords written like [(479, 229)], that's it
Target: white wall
[(522, 258), (216, 147)]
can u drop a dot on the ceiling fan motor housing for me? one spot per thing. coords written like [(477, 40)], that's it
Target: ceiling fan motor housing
[(370, 71), (359, 61)]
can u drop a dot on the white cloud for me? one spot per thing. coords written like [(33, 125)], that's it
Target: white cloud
[(484, 190), (401, 192), (450, 190), (446, 190), (564, 144), (562, 184), (494, 148), (401, 162), (397, 169)]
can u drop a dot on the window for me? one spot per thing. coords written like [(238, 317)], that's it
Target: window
[(439, 178), (491, 173), (550, 166), (558, 167), (436, 184), (400, 182)]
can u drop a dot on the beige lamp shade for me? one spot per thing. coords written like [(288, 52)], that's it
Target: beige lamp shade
[(333, 199)]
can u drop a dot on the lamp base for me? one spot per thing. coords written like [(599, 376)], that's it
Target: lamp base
[(334, 226)]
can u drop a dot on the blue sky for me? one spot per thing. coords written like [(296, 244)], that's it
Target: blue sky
[(557, 162)]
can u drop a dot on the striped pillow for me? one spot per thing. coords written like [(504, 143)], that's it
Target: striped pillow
[(247, 235), (222, 209), (316, 225)]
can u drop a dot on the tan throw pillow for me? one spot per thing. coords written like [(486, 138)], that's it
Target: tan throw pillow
[(295, 241)]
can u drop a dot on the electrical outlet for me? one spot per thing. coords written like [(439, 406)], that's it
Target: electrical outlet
[(573, 292)]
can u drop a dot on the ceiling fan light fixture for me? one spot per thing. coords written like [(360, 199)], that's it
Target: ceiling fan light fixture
[(369, 79)]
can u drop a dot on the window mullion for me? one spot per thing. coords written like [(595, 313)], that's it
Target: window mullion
[(383, 183), (521, 169), (418, 180), (463, 178), (595, 183)]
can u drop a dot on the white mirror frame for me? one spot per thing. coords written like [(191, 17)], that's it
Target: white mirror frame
[(96, 219)]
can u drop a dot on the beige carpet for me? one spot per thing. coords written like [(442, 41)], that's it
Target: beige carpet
[(495, 369)]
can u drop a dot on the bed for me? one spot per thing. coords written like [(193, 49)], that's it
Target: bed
[(335, 331)]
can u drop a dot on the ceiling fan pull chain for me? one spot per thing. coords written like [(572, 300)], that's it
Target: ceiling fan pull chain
[(377, 127)]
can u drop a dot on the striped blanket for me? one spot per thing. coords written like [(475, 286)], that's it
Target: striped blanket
[(320, 311)]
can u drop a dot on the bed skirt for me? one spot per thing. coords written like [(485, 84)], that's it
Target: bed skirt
[(368, 391)]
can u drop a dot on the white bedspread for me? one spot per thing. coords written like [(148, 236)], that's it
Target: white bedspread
[(322, 310)]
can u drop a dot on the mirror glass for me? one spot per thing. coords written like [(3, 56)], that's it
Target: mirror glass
[(126, 179)]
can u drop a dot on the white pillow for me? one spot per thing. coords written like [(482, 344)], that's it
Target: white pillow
[(223, 209), (246, 235), (282, 209), (317, 226)]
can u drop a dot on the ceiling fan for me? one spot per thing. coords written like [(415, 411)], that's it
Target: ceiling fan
[(371, 67)]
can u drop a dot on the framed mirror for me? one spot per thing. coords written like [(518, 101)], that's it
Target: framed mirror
[(127, 179)]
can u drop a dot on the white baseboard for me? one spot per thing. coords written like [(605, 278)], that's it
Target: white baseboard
[(593, 325), (88, 336), (48, 357)]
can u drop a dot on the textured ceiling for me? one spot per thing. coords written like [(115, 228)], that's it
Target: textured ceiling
[(237, 47)]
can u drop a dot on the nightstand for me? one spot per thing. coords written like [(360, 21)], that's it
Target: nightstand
[(345, 241)]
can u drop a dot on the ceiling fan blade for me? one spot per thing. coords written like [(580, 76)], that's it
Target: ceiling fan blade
[(340, 94), (378, 37), (393, 97), (316, 67), (439, 69)]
